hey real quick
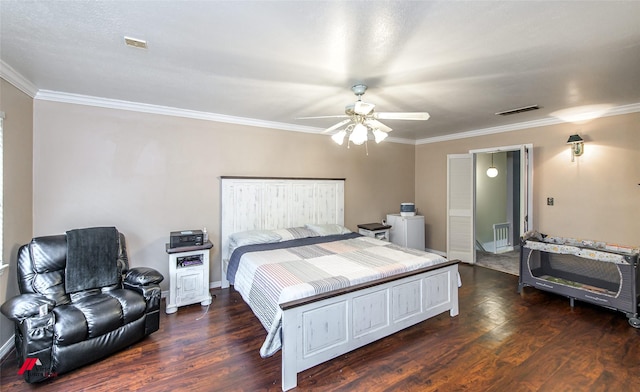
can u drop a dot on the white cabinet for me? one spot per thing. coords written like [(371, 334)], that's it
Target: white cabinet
[(189, 285), (188, 276), (406, 231)]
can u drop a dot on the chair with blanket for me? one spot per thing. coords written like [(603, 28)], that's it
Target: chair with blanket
[(79, 301)]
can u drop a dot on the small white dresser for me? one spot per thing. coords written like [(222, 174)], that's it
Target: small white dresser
[(188, 276)]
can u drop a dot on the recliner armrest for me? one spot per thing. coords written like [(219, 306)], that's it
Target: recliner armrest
[(145, 281), (25, 306), (143, 276)]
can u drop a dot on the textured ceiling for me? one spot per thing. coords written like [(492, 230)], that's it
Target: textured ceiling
[(273, 61)]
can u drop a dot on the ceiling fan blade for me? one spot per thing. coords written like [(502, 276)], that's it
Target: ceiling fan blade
[(336, 126), (363, 108), (309, 118), (401, 115), (378, 125)]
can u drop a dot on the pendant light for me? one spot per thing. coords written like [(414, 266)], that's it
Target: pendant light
[(492, 171)]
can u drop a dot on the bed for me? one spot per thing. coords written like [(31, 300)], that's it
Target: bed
[(282, 239)]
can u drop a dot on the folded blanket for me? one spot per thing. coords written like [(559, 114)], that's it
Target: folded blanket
[(91, 258)]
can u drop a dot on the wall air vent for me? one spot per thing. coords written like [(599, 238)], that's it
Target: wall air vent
[(518, 110)]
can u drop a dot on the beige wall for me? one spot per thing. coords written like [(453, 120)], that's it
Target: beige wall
[(150, 174), (596, 197), (18, 191)]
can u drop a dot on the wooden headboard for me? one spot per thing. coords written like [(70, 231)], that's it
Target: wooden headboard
[(250, 203)]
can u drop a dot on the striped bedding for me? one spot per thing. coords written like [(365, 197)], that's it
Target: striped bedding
[(267, 275)]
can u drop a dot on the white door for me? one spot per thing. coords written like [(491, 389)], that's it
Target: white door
[(460, 202)]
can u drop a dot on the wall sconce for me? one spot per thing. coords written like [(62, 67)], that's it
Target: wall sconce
[(577, 146), (492, 171)]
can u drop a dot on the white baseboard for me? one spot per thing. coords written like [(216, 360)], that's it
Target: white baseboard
[(7, 347)]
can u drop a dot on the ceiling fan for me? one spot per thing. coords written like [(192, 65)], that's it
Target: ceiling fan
[(362, 119)]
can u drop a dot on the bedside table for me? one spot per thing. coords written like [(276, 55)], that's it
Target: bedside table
[(375, 230), (188, 276)]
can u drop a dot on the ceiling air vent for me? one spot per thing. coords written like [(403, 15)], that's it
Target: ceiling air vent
[(135, 42), (518, 110)]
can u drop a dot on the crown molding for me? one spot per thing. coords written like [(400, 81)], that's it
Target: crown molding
[(616, 111), (15, 78), (625, 109), (56, 96), (489, 131), (400, 140), (79, 99)]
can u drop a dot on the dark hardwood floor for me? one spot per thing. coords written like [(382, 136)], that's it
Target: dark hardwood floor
[(501, 341)]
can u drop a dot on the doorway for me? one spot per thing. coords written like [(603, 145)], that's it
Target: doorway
[(497, 208), (465, 182), (497, 201)]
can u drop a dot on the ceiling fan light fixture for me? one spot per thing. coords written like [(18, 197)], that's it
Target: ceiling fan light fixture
[(358, 135), (379, 135), (361, 121), (339, 137)]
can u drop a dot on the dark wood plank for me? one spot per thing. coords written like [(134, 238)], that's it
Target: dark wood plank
[(500, 341)]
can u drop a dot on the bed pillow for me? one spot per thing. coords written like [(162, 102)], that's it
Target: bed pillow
[(285, 234), (252, 237), (293, 233), (328, 229)]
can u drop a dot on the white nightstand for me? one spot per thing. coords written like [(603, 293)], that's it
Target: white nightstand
[(375, 230), (188, 276)]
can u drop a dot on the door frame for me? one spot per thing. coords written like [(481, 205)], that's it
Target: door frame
[(526, 181)]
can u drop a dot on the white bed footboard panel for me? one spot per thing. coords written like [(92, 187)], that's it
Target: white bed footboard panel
[(319, 331)]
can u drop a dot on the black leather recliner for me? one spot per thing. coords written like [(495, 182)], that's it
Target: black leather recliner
[(57, 331)]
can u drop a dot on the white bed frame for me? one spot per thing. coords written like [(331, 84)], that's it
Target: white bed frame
[(317, 329)]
